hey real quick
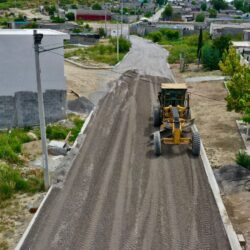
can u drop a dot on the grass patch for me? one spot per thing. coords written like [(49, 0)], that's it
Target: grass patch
[(60, 132), (176, 45), (11, 143), (4, 244), (11, 182), (102, 53), (243, 159), (75, 131)]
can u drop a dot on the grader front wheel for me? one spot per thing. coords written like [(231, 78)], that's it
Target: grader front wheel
[(196, 144), (157, 143), (157, 116)]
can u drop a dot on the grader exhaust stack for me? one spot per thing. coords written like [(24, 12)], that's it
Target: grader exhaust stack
[(173, 116)]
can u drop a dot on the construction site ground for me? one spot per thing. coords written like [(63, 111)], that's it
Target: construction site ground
[(118, 195), (220, 136)]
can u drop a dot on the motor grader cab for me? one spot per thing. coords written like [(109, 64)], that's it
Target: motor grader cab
[(173, 116)]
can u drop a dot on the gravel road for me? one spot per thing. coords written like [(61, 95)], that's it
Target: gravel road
[(118, 195)]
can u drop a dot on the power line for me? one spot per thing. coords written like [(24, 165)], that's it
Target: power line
[(195, 93)]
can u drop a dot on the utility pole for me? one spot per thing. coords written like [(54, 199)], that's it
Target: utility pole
[(117, 41), (106, 31), (37, 40), (121, 15)]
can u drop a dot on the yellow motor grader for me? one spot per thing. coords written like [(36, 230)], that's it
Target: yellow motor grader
[(173, 116)]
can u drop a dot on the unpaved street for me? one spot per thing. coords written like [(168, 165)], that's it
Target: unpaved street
[(118, 195)]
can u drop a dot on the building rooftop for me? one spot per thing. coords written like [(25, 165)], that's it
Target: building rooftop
[(245, 44), (29, 32), (230, 25), (173, 86)]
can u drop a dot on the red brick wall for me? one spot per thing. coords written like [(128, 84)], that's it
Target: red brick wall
[(92, 17)]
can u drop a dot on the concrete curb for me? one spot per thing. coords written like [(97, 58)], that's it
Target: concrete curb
[(87, 67), (121, 60), (34, 218), (85, 125), (231, 234), (32, 222)]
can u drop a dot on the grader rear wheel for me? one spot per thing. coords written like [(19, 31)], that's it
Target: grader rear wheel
[(196, 144), (157, 143), (157, 116)]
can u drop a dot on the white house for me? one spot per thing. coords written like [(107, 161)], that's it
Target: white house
[(18, 87)]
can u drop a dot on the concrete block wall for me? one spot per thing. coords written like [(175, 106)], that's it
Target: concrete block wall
[(7, 111), (55, 105), (21, 110)]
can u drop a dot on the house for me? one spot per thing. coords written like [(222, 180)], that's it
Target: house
[(246, 34), (218, 29), (92, 15), (84, 38), (243, 48), (18, 86)]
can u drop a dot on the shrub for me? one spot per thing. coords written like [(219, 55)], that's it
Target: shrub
[(243, 159), (204, 6), (56, 132), (148, 14), (210, 57), (11, 181), (57, 19), (200, 18), (96, 6), (77, 30), (222, 43), (10, 144), (75, 131), (170, 34), (101, 32), (124, 44), (212, 13), (155, 36), (188, 52), (70, 16)]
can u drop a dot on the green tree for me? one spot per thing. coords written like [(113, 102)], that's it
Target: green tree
[(200, 44), (219, 4), (204, 6), (155, 36), (70, 16), (241, 5), (222, 43), (96, 6), (239, 88), (101, 32), (200, 18), (161, 2), (210, 57), (238, 85), (168, 12), (212, 13), (230, 62)]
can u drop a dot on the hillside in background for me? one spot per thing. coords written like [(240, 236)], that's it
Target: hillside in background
[(5, 4)]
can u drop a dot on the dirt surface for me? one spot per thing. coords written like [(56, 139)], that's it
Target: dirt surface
[(239, 212), (14, 218), (118, 195), (90, 83)]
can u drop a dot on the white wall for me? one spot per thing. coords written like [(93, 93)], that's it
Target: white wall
[(17, 63)]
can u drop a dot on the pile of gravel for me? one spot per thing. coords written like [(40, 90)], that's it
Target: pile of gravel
[(233, 179), (80, 105)]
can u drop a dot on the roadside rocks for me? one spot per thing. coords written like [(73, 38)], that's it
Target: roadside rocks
[(233, 179)]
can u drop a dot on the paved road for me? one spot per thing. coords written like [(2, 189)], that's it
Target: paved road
[(157, 15), (118, 195), (148, 58)]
